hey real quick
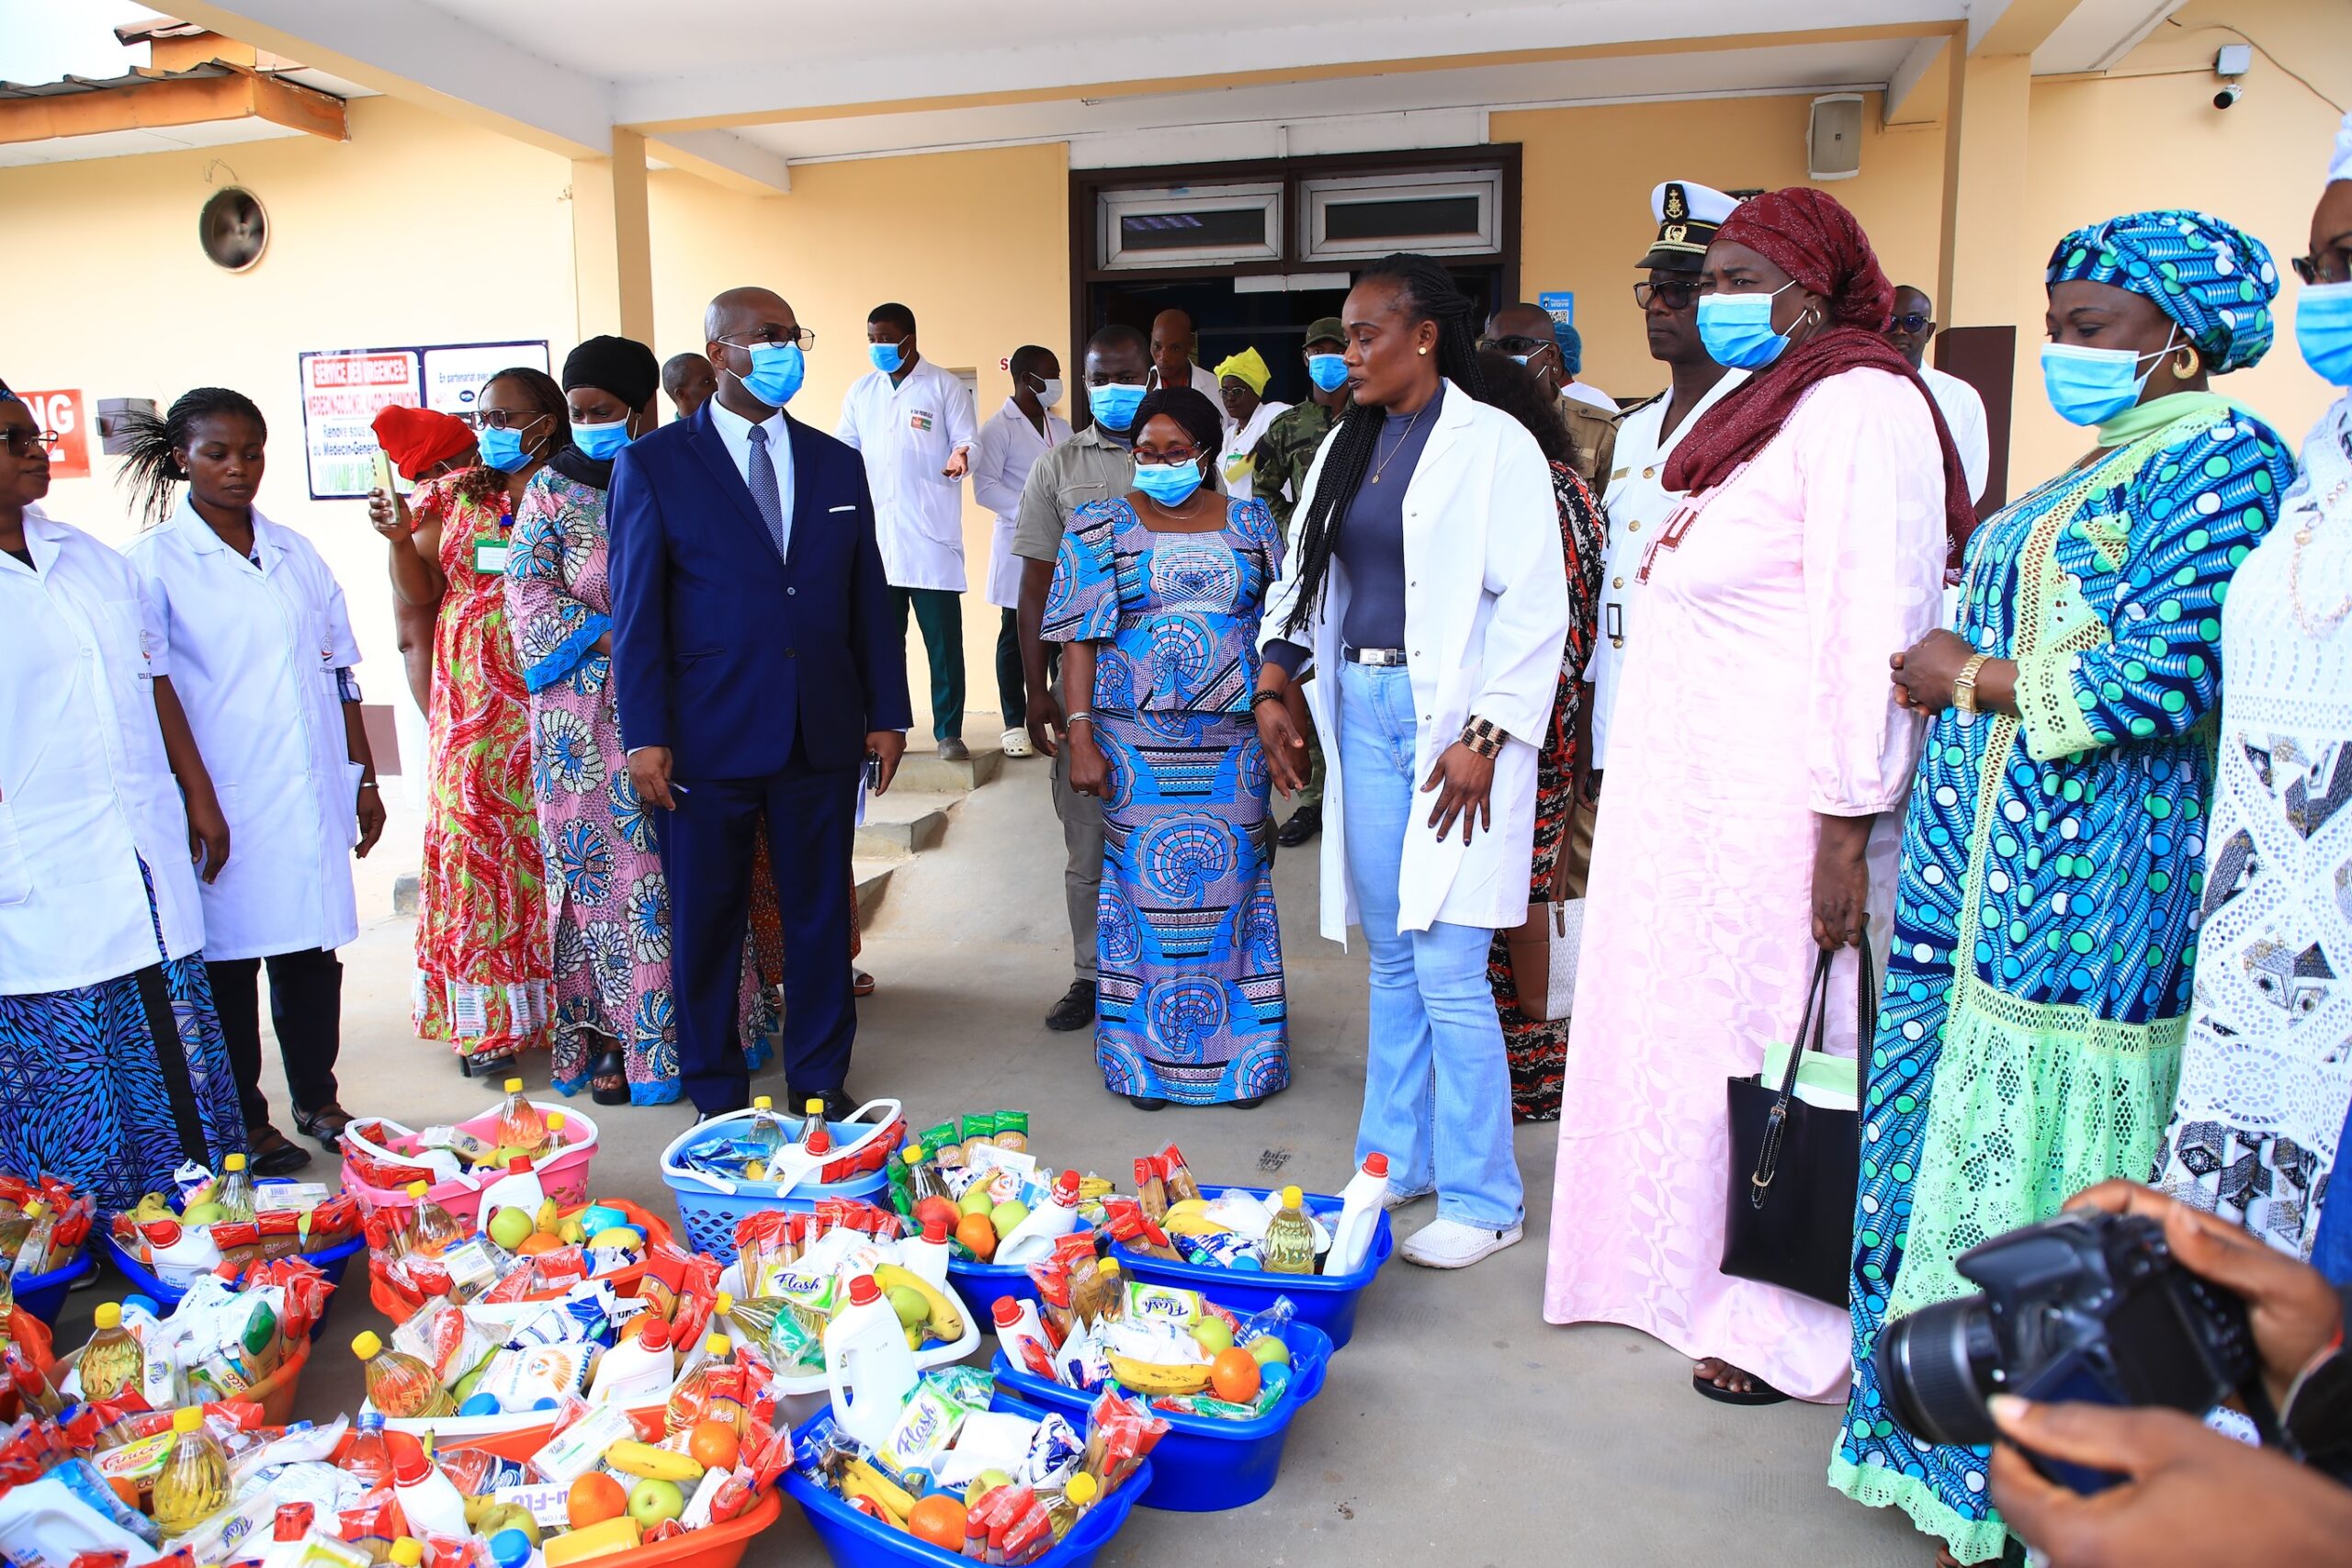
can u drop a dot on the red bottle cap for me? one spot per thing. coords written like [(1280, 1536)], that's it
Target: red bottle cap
[(293, 1520), (1008, 1311), (1066, 1189), (864, 1291), (519, 1166), (1375, 1164), (934, 1230), (655, 1336), (410, 1464)]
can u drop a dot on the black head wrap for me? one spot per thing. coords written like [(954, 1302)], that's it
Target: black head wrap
[(620, 365)]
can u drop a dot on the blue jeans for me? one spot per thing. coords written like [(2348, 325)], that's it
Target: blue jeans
[(1436, 1084)]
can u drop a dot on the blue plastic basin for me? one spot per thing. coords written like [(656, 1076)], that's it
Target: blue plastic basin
[(1204, 1464), (982, 1285), (1327, 1301), (43, 1295), (855, 1540), (332, 1263)]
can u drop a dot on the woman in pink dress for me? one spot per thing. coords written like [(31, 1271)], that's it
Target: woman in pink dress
[(1758, 766)]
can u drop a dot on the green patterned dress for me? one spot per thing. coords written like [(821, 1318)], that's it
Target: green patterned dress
[(2030, 1034)]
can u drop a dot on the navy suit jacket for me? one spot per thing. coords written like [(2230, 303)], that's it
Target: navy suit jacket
[(721, 652)]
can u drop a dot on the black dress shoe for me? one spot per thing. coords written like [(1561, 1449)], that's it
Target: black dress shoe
[(1304, 824), (274, 1153), (1146, 1102), (838, 1104), (325, 1124), (1074, 1010), (1250, 1103)]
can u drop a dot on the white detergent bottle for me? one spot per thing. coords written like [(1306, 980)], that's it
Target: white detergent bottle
[(1033, 1239), (638, 1371), (1020, 1334), (868, 1368), (428, 1497), (1360, 1207), (926, 1254), (518, 1189)]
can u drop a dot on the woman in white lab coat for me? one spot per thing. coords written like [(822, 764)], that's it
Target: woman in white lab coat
[(1024, 430), (1429, 591), (262, 647), (112, 1068)]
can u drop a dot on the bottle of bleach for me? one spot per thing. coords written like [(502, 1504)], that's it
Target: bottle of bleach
[(638, 1371), (926, 1254), (868, 1368), (1033, 1239), (1360, 1208), (518, 1189)]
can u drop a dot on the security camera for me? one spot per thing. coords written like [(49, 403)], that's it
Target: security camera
[(2230, 93), (2230, 64)]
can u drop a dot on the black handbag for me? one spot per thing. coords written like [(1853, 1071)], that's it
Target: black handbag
[(1795, 1168)]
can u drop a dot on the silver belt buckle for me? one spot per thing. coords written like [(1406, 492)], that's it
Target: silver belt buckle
[(1376, 657)]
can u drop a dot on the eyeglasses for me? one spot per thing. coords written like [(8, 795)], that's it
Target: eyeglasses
[(23, 440), (1513, 344), (501, 419), (1173, 458), (2335, 267), (768, 337), (1911, 321), (1673, 296)]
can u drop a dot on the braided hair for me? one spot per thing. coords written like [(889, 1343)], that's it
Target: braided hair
[(1425, 292), (151, 465)]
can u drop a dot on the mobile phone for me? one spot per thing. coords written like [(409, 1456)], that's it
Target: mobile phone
[(384, 475)]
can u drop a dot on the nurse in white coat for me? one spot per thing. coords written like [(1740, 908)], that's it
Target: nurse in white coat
[(112, 1069), (1429, 591), (262, 648), (1024, 430)]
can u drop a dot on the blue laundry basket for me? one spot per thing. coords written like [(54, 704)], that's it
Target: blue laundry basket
[(709, 1206)]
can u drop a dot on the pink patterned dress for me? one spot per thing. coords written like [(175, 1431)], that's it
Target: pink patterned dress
[(1755, 695)]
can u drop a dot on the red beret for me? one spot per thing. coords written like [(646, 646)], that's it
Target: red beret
[(415, 439)]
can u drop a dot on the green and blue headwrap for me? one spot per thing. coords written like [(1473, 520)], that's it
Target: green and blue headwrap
[(2212, 278)]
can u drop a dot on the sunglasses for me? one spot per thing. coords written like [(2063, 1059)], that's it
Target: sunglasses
[(23, 440), (1514, 344), (1673, 296), (2319, 268), (1914, 322)]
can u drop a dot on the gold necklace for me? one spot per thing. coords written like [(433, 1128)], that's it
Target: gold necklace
[(1400, 441), (2295, 571)]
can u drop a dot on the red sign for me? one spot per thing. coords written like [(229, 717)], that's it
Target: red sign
[(62, 414)]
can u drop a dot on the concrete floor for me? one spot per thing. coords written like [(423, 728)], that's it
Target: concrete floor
[(1458, 1425)]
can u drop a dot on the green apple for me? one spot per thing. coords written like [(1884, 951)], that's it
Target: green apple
[(1006, 1215), (652, 1501), (1213, 1336), (511, 1227), (975, 1201), (908, 1302), (983, 1484), (1269, 1351), (204, 1214)]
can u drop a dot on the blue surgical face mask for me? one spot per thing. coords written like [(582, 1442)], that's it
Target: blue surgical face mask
[(2091, 386), (886, 356), (502, 450), (1115, 403), (600, 440), (1736, 329), (1328, 371), (1171, 484), (2324, 330), (777, 370)]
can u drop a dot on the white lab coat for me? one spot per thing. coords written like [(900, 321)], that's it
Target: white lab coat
[(254, 653), (1009, 448), (1963, 412), (1239, 443), (85, 790), (1486, 619), (907, 432)]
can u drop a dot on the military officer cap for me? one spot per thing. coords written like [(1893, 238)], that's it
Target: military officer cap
[(1688, 214)]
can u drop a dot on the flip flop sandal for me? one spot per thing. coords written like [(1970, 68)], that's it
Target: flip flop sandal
[(1762, 1393)]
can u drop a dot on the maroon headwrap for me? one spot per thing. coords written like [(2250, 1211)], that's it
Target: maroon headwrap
[(1811, 237)]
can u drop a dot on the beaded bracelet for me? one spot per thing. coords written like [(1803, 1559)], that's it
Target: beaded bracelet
[(1483, 738)]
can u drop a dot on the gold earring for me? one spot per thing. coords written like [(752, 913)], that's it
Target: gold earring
[(2186, 366), (1422, 350)]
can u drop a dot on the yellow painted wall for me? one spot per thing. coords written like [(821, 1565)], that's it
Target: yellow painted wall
[(1587, 176)]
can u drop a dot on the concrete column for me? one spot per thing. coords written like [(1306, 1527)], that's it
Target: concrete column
[(1985, 151), (612, 243)]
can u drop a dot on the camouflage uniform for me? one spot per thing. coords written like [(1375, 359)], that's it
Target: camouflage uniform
[(1283, 455)]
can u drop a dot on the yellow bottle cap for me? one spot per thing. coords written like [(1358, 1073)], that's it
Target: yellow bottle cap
[(408, 1552), (814, 1108), (233, 1163), (762, 1102), (1082, 1489), (35, 1209), (911, 1155), (513, 1085), (416, 1188), (109, 1314), (1291, 1198), (1110, 1267), (726, 1301), (368, 1347), (554, 1121), (188, 1420), (717, 1344)]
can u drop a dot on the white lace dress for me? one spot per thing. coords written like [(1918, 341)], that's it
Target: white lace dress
[(2266, 1072)]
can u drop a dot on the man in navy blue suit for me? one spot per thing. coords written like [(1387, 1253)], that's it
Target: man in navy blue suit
[(757, 669)]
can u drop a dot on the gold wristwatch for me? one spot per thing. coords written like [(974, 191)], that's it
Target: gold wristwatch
[(1963, 685)]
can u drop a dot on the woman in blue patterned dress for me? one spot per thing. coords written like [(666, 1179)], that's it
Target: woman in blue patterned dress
[(608, 902), (2036, 1000), (1158, 593)]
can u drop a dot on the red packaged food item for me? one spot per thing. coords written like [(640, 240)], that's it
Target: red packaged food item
[(1119, 1433), (178, 1557), (374, 1522), (100, 1559)]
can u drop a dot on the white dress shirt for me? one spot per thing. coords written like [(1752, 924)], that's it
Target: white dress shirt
[(1234, 461), (1637, 503), (1585, 392), (736, 431), (85, 790), (1008, 448), (1963, 412), (253, 655), (907, 431)]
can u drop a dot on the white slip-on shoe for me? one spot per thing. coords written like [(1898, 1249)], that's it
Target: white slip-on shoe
[(1396, 1199), (1450, 1244), (1015, 743)]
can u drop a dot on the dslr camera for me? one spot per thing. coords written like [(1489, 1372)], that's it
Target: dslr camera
[(2089, 1308)]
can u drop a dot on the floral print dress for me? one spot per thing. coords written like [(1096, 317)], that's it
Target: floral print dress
[(608, 902), (482, 957)]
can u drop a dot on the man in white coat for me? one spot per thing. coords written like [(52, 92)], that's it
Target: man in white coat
[(1913, 323), (912, 421), (1024, 430)]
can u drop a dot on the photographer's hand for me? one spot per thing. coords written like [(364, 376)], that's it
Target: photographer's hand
[(2292, 1310), (2193, 1498)]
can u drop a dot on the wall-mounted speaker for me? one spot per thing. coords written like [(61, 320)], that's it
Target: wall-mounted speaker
[(1833, 137)]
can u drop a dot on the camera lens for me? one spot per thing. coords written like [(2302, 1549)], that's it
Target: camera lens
[(1936, 1366)]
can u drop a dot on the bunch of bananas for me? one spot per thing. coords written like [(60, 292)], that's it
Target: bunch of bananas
[(1190, 1217), (1155, 1377), (648, 1462), (946, 1322), (860, 1479)]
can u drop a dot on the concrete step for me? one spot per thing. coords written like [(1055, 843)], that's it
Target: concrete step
[(873, 881), (903, 823), (924, 772)]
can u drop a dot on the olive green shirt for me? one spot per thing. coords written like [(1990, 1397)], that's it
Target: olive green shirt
[(1284, 453)]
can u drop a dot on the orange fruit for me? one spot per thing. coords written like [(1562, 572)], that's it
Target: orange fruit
[(594, 1498), (975, 1232), (713, 1444), (1233, 1376), (536, 1243), (938, 1519)]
